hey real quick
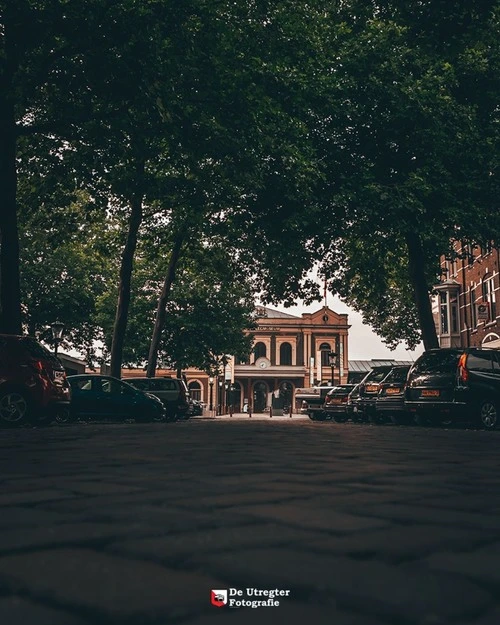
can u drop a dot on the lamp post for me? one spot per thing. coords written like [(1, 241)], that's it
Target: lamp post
[(224, 365), (57, 330), (221, 386), (332, 356), (211, 397)]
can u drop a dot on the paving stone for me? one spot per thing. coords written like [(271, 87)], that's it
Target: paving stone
[(310, 516), (65, 534), (396, 543), (412, 593), (19, 611), (421, 514), (492, 617), (287, 613), (104, 488), (481, 565), (16, 516), (177, 547), (477, 502), (389, 498), (230, 500), (28, 497), (113, 586)]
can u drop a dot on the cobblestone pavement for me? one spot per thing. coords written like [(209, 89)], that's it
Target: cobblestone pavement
[(135, 524)]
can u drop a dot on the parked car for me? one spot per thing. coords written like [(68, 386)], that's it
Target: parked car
[(390, 403), (450, 385), (33, 384), (335, 405), (361, 401), (195, 408), (105, 397), (173, 392), (311, 401)]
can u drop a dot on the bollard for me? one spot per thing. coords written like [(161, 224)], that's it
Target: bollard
[(270, 411), (231, 410), (291, 410), (249, 411)]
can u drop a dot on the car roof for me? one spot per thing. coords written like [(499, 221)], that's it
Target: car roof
[(92, 375)]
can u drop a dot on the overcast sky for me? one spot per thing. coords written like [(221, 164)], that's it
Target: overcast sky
[(364, 344)]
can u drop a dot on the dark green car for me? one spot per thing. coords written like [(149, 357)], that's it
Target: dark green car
[(108, 398)]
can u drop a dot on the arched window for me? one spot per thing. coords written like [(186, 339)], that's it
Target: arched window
[(195, 390), (285, 354), (325, 349), (260, 350)]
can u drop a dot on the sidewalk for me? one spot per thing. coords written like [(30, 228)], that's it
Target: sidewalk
[(136, 524)]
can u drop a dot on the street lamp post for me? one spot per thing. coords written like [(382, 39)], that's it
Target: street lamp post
[(57, 330), (332, 356), (211, 384), (221, 386), (224, 365)]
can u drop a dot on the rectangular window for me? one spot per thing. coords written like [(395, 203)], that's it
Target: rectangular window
[(454, 314), (490, 297), (443, 297), (472, 302)]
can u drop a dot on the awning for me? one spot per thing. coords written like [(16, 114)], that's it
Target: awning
[(491, 344)]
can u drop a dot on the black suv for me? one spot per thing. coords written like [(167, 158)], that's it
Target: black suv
[(173, 393), (390, 403), (448, 385), (361, 401)]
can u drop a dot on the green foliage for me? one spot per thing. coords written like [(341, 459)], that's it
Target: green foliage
[(65, 268), (422, 145), (210, 307)]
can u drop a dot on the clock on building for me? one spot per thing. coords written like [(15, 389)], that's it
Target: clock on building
[(262, 363)]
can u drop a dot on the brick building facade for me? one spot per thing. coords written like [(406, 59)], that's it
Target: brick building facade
[(466, 300)]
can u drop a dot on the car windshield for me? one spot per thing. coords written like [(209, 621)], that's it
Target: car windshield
[(376, 375), (398, 374), (444, 361)]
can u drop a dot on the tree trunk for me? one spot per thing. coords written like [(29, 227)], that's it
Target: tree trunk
[(10, 291), (161, 312), (421, 297), (127, 264)]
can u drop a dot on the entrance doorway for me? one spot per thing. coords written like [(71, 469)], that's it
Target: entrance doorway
[(260, 393), (235, 397)]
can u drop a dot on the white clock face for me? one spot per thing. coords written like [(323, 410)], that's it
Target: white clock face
[(262, 363)]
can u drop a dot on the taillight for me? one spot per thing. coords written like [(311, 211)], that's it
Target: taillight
[(328, 399), (344, 399), (463, 373)]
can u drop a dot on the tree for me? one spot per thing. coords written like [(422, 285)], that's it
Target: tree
[(65, 267), (423, 153), (210, 307)]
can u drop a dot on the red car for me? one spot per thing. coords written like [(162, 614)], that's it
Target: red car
[(33, 384)]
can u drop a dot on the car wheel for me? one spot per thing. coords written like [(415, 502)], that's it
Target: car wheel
[(423, 420), (402, 419), (15, 408), (488, 414), (340, 418), (64, 415), (159, 418)]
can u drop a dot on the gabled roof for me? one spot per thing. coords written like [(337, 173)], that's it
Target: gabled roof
[(269, 313), (367, 365)]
